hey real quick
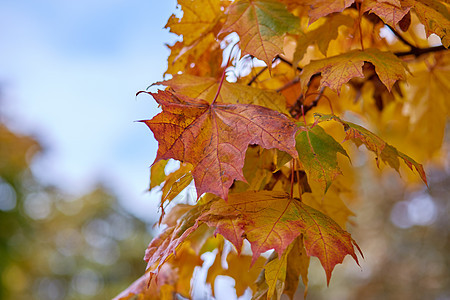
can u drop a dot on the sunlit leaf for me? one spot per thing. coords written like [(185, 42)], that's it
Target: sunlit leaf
[(261, 26), (339, 69), (214, 137), (206, 88), (272, 220), (317, 153), (383, 150)]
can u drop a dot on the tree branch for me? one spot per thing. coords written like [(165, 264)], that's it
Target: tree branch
[(287, 62), (289, 84), (256, 76), (401, 38), (420, 51)]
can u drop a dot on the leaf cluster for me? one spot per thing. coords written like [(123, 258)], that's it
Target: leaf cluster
[(258, 132)]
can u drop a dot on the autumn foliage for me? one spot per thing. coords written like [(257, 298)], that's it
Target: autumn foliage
[(256, 107)]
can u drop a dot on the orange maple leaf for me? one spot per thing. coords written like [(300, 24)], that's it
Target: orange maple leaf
[(214, 137), (261, 26), (339, 69), (374, 143), (239, 268), (272, 220), (199, 18), (206, 88), (435, 17), (163, 247), (390, 13), (321, 8)]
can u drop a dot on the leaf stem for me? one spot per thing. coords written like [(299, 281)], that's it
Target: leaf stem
[(297, 172), (304, 119), (223, 75), (220, 84), (292, 177), (358, 4), (316, 100)]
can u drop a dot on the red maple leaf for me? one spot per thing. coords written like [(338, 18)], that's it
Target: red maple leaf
[(214, 137)]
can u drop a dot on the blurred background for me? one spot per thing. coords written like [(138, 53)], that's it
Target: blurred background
[(75, 216)]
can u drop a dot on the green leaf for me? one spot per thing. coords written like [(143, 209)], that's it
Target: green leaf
[(317, 152), (261, 26)]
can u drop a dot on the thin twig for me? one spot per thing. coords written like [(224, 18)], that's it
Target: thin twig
[(316, 100), (289, 84), (420, 51), (401, 38), (358, 5), (257, 75), (287, 62)]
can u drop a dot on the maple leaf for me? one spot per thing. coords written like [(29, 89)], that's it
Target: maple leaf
[(436, 18), (282, 275), (339, 69), (175, 183), (258, 169), (174, 277), (137, 287), (383, 150), (261, 26), (227, 222), (272, 220), (199, 18), (317, 152), (163, 247), (206, 88), (331, 203), (215, 270), (234, 140), (275, 273), (214, 137), (201, 58), (185, 261), (239, 268), (321, 8), (140, 289), (390, 12), (322, 35), (429, 105), (157, 175), (297, 265)]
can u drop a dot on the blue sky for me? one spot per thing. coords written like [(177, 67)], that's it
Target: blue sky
[(69, 71)]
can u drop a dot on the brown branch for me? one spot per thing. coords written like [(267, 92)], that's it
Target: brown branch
[(401, 38), (289, 84), (278, 57), (420, 51), (287, 62), (256, 76), (316, 101)]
